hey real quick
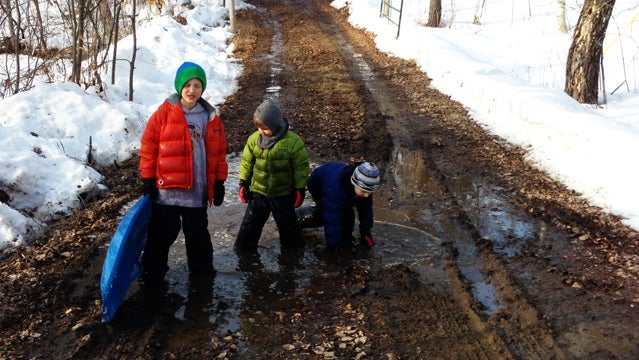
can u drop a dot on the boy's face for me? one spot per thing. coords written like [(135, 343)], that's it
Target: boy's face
[(361, 193), (265, 131), (191, 92)]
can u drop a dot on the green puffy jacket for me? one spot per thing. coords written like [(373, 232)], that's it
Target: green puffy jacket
[(276, 171)]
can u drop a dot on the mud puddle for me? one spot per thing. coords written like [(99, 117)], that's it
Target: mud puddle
[(248, 292)]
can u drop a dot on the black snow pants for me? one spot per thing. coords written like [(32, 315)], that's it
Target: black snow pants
[(255, 216), (164, 227)]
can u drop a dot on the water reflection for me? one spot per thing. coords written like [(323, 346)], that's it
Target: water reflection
[(275, 286)]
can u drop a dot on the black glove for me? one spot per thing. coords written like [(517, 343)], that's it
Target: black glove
[(218, 192), (299, 197), (245, 192), (148, 187), (366, 238)]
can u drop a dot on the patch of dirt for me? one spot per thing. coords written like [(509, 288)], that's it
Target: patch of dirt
[(573, 298)]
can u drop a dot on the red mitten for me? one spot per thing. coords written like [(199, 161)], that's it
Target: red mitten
[(245, 194), (299, 197), (368, 240)]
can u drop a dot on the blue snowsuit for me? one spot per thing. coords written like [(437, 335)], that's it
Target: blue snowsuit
[(331, 188)]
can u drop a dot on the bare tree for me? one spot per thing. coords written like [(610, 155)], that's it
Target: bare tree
[(479, 9), (135, 49), (586, 51), (117, 10), (92, 26), (99, 33), (232, 16), (78, 14), (39, 28), (561, 16), (435, 13), (23, 33), (12, 10)]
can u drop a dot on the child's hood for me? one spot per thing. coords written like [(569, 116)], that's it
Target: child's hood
[(174, 99), (271, 115)]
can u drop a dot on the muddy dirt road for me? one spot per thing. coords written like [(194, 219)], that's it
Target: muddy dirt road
[(478, 255)]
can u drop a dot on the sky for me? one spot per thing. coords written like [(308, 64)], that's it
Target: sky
[(507, 68)]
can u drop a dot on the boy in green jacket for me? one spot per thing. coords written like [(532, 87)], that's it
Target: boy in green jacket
[(273, 173)]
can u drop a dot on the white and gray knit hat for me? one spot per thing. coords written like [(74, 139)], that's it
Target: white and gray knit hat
[(366, 177)]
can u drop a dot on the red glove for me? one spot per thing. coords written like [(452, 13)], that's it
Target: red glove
[(299, 197), (368, 240), (245, 194)]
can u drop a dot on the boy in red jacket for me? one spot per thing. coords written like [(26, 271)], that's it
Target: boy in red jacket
[(183, 167)]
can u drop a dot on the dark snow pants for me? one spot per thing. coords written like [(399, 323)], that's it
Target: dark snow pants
[(255, 217), (164, 227)]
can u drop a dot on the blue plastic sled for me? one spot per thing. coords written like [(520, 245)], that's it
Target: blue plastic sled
[(123, 258)]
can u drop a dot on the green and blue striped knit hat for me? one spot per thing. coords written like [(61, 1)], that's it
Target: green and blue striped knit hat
[(188, 71)]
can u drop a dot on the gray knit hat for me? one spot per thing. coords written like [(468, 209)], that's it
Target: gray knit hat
[(366, 177), (271, 115)]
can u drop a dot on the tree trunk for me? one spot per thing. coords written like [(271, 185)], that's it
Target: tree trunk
[(42, 41), (116, 37), (585, 53), (232, 16), (561, 16), (134, 50), (79, 53), (17, 46), (14, 26), (435, 13)]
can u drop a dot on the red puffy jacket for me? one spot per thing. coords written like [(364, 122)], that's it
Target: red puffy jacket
[(166, 150)]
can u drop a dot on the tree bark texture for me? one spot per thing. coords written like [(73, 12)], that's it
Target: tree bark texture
[(584, 55), (434, 13)]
